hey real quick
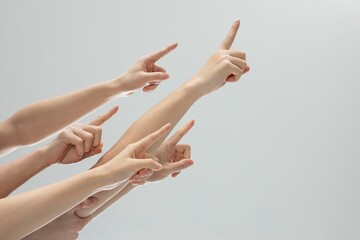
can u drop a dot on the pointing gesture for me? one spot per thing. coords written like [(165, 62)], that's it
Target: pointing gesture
[(145, 73), (134, 158), (174, 157), (80, 141), (223, 66), (230, 37)]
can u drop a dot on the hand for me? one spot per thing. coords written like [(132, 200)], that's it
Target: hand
[(132, 159), (223, 66), (174, 157), (79, 141), (65, 227), (145, 73)]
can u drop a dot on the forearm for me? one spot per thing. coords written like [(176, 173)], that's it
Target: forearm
[(102, 199), (27, 125), (17, 217), (169, 110), (125, 190), (17, 172)]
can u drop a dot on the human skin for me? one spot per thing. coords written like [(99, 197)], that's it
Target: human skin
[(17, 212), (26, 126), (74, 144), (224, 66), (65, 227)]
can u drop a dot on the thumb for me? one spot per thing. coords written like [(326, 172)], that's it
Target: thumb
[(153, 76), (88, 203), (148, 163)]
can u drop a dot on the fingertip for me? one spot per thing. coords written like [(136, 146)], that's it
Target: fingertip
[(164, 76), (150, 88), (158, 166), (192, 122), (91, 201), (175, 174), (188, 162), (173, 45), (166, 127), (115, 109)]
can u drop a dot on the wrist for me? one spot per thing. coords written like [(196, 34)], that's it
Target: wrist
[(100, 178), (41, 155), (53, 151), (192, 90), (114, 86)]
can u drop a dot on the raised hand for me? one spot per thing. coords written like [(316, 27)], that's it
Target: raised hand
[(79, 141), (145, 73), (223, 66), (133, 158), (173, 157)]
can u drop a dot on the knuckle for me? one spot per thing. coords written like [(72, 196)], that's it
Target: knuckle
[(168, 146), (88, 136), (141, 59), (98, 130), (79, 141), (130, 147)]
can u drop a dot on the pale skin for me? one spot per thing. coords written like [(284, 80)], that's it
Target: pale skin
[(16, 212), (74, 144), (26, 126), (223, 66), (65, 227)]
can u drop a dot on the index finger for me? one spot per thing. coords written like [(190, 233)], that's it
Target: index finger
[(174, 139), (103, 118), (229, 39), (145, 143), (161, 53)]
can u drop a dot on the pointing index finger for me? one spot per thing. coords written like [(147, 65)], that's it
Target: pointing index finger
[(229, 39), (145, 143), (174, 139), (103, 118), (161, 53)]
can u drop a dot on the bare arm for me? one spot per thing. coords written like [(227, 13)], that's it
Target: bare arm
[(17, 212), (223, 66), (74, 144), (27, 125)]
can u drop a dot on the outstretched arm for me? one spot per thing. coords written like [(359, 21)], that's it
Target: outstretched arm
[(223, 66), (27, 125), (74, 144), (17, 212)]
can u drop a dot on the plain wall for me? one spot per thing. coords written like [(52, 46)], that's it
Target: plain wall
[(276, 154)]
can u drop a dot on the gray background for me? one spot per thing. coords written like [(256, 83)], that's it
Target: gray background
[(277, 154)]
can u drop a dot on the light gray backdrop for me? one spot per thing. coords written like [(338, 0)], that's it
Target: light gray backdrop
[(277, 154)]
